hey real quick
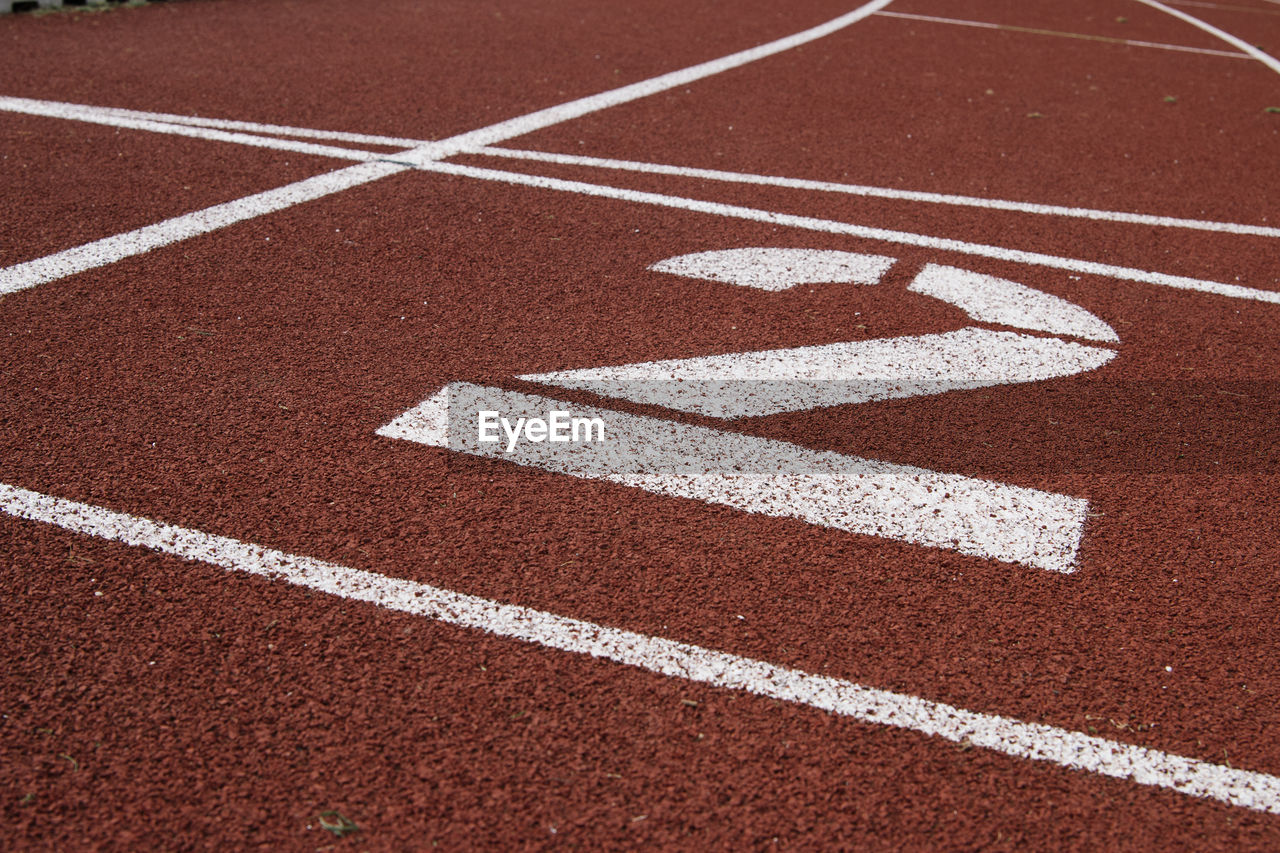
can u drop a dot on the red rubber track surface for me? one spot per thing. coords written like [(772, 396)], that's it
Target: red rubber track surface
[(232, 383), (69, 183), (398, 68)]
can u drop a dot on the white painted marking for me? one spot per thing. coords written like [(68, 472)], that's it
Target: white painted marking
[(768, 382), (766, 477), (593, 103), (96, 115), (988, 299), (161, 123), (990, 26), (142, 240), (885, 192), (1033, 741), (1239, 43), (111, 249), (776, 269), (76, 110), (831, 227), (1227, 6)]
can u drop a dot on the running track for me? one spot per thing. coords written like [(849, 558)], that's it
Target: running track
[(238, 603)]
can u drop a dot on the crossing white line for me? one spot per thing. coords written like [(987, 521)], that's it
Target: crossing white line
[(209, 129), (115, 118), (120, 246), (863, 231), (593, 103), (1016, 738), (1239, 43), (111, 249), (1230, 7), (258, 127), (882, 192), (987, 25)]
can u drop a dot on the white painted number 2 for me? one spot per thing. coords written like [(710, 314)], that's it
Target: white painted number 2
[(910, 504)]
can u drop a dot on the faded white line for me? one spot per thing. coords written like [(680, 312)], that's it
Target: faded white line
[(986, 25), (1226, 7), (1016, 738), (767, 382), (97, 115), (883, 192), (1239, 43), (111, 249), (862, 231)]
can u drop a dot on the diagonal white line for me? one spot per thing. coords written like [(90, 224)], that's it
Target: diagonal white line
[(1034, 741), (1227, 6), (883, 192), (195, 127), (115, 118), (111, 249), (986, 25), (863, 231), (1263, 57), (120, 246), (275, 129), (101, 252), (593, 103)]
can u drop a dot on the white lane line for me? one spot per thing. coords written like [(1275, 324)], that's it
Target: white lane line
[(1033, 741), (881, 192), (866, 232), (97, 115), (120, 246), (249, 126), (593, 103), (767, 382), (988, 299), (774, 269), (167, 123), (111, 249), (1239, 43), (986, 25), (1226, 7)]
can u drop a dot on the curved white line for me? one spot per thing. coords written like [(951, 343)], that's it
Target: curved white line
[(986, 25), (111, 249), (592, 103), (1238, 43)]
